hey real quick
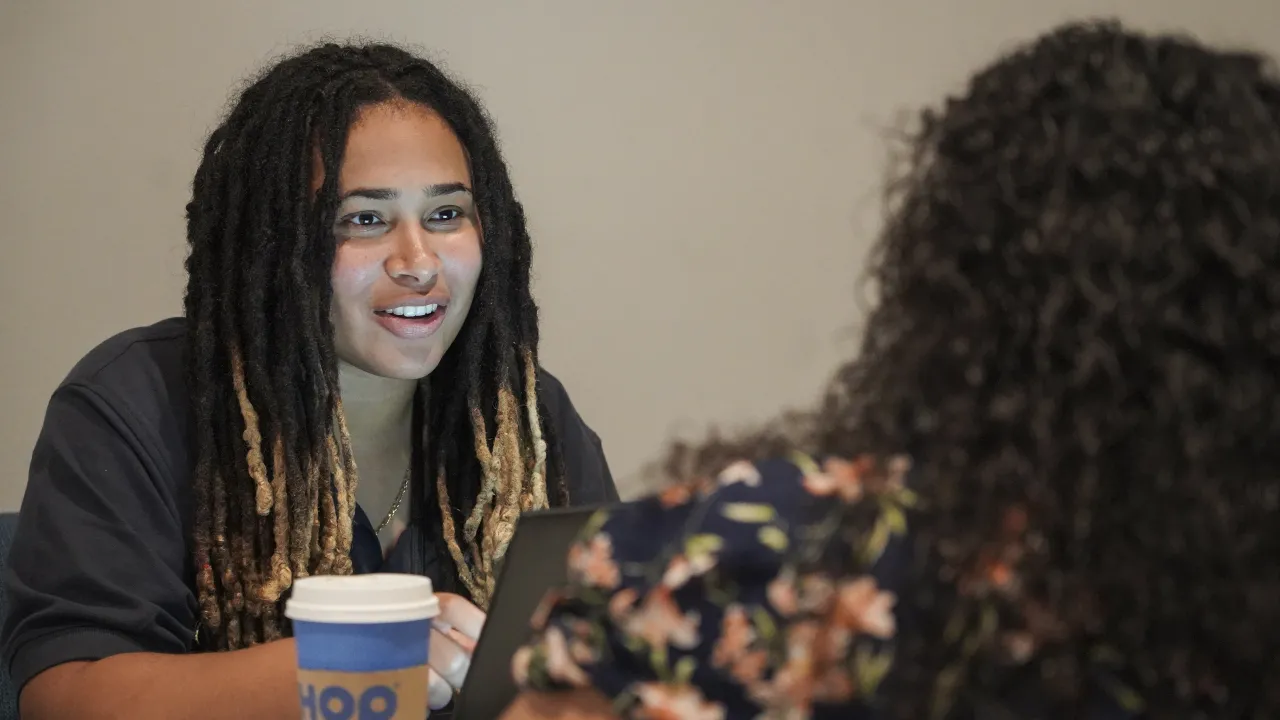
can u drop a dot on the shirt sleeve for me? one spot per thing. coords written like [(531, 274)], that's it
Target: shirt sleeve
[(719, 599), (587, 471), (586, 466), (99, 557)]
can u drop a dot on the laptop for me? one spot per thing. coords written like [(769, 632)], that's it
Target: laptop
[(535, 562)]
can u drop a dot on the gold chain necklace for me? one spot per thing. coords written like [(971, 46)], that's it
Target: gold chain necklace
[(395, 506)]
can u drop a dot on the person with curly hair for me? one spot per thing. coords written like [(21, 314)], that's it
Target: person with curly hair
[(1048, 484)]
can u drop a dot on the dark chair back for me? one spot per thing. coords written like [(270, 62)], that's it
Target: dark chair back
[(8, 694)]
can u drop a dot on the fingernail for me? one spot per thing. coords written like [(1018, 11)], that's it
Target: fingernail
[(467, 643)]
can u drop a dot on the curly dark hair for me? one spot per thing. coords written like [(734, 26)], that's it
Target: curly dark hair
[(274, 477), (1078, 317)]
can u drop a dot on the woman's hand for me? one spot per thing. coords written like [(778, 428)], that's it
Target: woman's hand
[(453, 639)]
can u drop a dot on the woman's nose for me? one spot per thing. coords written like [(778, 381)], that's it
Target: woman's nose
[(412, 261)]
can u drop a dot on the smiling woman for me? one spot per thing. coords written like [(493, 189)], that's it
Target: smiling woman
[(354, 387)]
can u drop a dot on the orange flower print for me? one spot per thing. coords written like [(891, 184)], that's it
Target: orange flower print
[(791, 687), (840, 478), (675, 495), (749, 668), (543, 612), (579, 650), (736, 635), (789, 595), (994, 572), (816, 592), (781, 592), (834, 685), (622, 602), (740, 472), (560, 664), (732, 649), (699, 556), (675, 702), (592, 564), (862, 607), (1000, 575), (802, 639), (659, 622), (520, 665), (683, 568)]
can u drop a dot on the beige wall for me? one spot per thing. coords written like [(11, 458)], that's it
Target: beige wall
[(701, 175)]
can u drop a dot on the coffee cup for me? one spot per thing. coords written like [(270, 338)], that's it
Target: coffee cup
[(362, 645)]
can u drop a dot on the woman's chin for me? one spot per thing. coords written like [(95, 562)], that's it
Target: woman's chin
[(397, 367)]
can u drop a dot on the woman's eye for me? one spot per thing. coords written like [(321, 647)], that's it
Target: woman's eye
[(446, 215), (364, 219)]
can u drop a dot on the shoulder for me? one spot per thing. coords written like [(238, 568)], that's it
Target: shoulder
[(580, 448), (810, 501), (136, 379), (100, 563), (140, 355), (555, 398), (799, 487)]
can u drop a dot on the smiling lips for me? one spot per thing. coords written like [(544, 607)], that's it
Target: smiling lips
[(412, 321)]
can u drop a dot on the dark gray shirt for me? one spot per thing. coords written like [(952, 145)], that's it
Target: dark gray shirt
[(102, 560)]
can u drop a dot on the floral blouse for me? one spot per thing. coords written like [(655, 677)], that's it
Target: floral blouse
[(693, 603), (735, 597)]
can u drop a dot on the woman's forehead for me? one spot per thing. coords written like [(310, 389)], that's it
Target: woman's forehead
[(400, 145)]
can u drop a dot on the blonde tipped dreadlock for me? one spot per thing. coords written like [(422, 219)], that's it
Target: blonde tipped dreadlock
[(328, 535), (252, 438), (270, 548), (345, 480), (513, 475), (281, 576), (538, 474)]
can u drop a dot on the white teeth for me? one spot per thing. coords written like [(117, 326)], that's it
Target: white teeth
[(412, 310)]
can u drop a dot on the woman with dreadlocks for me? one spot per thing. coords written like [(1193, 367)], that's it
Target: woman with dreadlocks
[(354, 387), (1077, 342)]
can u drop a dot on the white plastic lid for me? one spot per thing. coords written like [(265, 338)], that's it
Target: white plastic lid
[(362, 599)]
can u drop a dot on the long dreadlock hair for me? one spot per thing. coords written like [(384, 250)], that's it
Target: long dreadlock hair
[(274, 476), (1079, 321)]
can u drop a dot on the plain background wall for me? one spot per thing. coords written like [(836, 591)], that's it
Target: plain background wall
[(702, 176)]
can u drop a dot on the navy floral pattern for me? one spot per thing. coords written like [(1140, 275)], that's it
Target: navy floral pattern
[(708, 600)]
